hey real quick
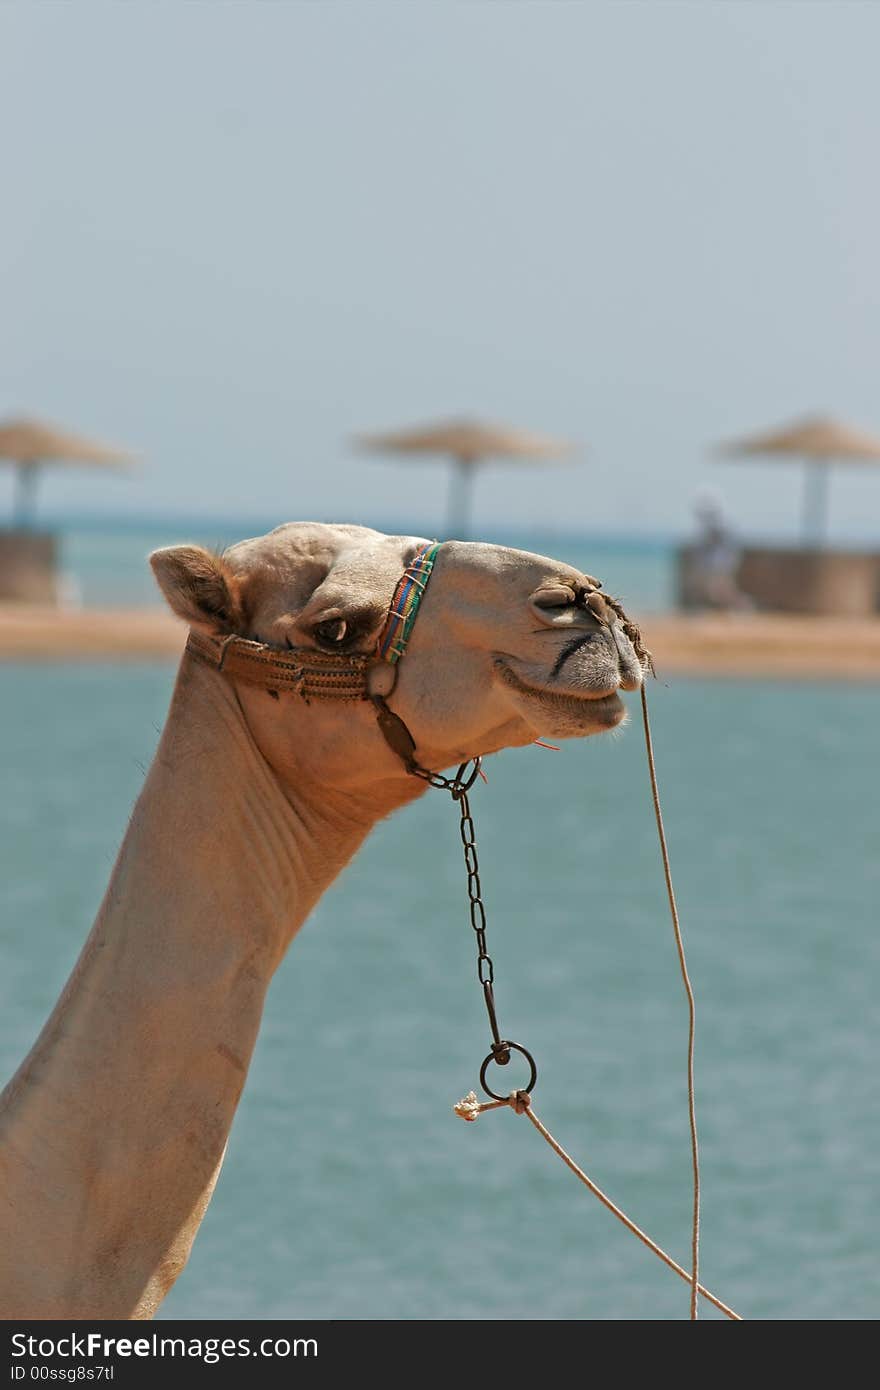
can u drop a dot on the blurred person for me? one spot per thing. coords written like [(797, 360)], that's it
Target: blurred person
[(714, 561)]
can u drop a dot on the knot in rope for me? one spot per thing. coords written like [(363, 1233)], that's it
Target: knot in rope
[(470, 1109)]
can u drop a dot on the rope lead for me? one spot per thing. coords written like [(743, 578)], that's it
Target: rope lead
[(469, 1108), (692, 1013)]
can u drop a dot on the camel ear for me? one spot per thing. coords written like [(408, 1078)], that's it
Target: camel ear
[(199, 587)]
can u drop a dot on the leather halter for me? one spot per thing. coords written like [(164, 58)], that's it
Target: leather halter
[(318, 675), (302, 671)]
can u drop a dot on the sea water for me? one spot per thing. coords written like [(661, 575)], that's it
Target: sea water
[(350, 1189)]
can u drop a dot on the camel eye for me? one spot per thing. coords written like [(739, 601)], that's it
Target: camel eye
[(332, 632), (557, 597)]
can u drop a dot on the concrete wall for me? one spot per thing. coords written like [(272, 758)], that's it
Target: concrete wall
[(28, 566), (839, 583)]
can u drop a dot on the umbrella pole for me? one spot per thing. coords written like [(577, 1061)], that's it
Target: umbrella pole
[(815, 514), (460, 489), (25, 493)]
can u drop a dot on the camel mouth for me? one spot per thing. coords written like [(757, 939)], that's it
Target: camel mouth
[(601, 709)]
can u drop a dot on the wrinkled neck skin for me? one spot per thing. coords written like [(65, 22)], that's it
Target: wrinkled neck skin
[(113, 1130)]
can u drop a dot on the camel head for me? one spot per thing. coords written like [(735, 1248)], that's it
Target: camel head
[(507, 646)]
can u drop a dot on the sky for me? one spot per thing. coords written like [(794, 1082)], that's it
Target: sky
[(235, 234)]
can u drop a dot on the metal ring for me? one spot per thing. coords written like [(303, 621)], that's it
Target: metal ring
[(513, 1047), (459, 787)]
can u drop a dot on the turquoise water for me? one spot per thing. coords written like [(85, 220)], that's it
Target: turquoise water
[(350, 1190)]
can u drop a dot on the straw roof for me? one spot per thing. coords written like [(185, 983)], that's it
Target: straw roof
[(468, 440), (33, 441), (816, 438)]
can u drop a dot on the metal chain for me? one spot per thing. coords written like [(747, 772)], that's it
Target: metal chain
[(485, 967), (459, 786)]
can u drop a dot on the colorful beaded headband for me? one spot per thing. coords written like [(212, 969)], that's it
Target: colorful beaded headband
[(405, 604)]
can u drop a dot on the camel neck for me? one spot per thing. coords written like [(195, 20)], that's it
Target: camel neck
[(229, 833), (114, 1127)]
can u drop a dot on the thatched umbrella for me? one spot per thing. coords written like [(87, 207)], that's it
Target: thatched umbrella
[(821, 443), (29, 444), (470, 444)]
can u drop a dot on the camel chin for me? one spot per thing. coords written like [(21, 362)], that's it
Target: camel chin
[(563, 713)]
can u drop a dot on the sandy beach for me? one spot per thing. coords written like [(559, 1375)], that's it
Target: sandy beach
[(741, 646)]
